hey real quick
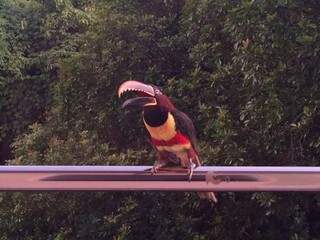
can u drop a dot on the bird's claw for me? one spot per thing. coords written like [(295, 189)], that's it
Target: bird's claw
[(192, 167), (155, 169)]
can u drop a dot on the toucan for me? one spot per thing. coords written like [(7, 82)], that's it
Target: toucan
[(172, 133)]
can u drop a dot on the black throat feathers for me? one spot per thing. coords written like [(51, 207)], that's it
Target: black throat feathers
[(155, 116)]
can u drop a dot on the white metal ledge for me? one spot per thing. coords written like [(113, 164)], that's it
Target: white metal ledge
[(139, 178)]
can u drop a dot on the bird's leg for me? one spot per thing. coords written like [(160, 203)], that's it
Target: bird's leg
[(160, 162), (192, 166), (156, 166), (193, 162)]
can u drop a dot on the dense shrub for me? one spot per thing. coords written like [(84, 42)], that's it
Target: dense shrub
[(246, 71)]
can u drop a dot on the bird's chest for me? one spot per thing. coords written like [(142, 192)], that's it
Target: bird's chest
[(163, 132), (165, 137)]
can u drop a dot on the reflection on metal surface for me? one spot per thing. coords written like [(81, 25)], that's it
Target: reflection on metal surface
[(139, 178), (149, 177)]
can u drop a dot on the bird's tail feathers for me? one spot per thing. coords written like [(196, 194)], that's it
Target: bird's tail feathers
[(208, 195)]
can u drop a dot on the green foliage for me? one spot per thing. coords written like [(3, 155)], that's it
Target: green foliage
[(34, 36), (247, 72)]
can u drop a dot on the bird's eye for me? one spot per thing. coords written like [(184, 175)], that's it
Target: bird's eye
[(157, 91)]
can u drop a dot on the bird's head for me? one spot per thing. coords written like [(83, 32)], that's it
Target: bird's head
[(148, 95)]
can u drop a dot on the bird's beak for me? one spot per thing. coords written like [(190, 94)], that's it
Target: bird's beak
[(139, 102), (146, 94)]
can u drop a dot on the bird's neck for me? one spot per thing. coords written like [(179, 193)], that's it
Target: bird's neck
[(159, 123), (155, 116)]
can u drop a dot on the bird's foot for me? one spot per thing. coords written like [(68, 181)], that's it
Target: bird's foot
[(155, 168), (192, 166)]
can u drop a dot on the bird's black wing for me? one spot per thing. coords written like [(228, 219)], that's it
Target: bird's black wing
[(185, 125)]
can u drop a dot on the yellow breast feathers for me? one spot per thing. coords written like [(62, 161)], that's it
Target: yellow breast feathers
[(164, 132)]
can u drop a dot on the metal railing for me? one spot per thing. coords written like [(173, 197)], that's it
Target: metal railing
[(139, 178)]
